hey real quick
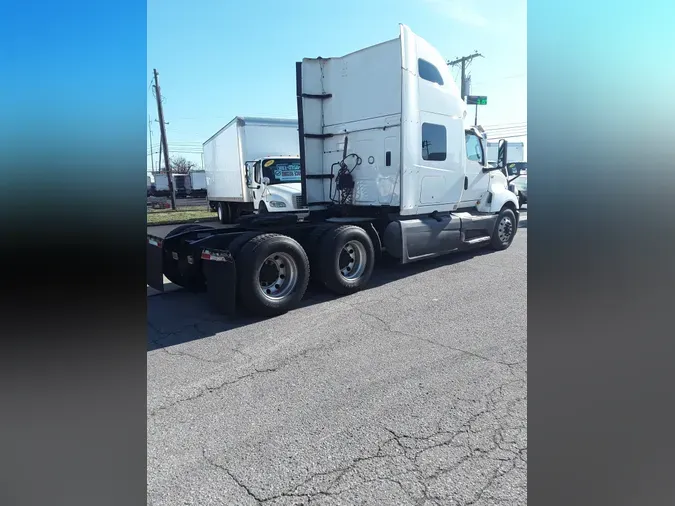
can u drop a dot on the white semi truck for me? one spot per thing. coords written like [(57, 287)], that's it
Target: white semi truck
[(252, 166), (386, 168)]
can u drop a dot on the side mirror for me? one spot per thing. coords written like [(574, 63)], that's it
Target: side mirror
[(265, 180), (248, 173), (513, 170), (501, 154)]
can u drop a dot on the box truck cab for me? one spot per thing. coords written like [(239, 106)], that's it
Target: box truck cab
[(274, 183)]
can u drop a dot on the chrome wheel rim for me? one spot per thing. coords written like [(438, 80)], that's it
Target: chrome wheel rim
[(277, 276), (505, 229), (220, 212), (352, 260)]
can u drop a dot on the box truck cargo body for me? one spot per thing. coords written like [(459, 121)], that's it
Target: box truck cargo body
[(198, 183), (181, 184), (516, 152)]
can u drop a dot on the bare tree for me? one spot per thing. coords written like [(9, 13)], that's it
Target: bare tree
[(179, 165)]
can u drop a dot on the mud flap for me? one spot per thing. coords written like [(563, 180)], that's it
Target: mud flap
[(220, 272), (154, 267)]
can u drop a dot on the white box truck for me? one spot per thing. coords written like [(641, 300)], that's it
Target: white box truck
[(386, 168), (252, 165), (516, 152), (181, 185), (198, 183)]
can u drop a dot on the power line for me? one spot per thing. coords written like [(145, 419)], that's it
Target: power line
[(506, 124), (491, 133), (506, 130), (502, 78)]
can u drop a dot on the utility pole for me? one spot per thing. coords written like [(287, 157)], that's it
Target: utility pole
[(165, 145), (152, 157), (463, 61), (159, 162)]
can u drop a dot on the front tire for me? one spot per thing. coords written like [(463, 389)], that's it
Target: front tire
[(505, 230), (346, 259), (274, 274)]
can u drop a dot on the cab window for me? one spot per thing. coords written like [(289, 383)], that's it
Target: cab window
[(434, 142), (428, 72), (474, 149)]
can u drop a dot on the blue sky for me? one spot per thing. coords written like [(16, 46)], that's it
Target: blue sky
[(218, 59)]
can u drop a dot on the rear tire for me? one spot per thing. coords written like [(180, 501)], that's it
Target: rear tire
[(346, 259), (505, 230), (224, 213), (273, 273)]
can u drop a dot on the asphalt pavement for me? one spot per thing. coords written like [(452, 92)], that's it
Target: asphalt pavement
[(413, 391)]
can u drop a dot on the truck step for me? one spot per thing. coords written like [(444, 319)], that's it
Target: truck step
[(477, 240)]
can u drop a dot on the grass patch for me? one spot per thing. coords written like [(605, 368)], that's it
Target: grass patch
[(180, 215)]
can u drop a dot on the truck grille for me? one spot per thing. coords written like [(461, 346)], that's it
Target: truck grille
[(298, 201)]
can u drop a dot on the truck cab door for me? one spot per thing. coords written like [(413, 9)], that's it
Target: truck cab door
[(476, 181), (439, 173), (257, 184)]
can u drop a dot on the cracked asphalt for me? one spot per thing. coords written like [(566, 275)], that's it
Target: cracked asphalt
[(411, 392)]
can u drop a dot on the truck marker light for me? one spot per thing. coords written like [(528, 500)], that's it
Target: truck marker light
[(216, 257), (154, 242)]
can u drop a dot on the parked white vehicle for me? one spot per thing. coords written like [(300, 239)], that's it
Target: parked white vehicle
[(181, 184), (252, 166), (516, 152), (197, 183)]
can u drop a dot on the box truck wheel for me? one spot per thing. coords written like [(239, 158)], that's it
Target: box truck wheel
[(224, 214), (505, 230), (273, 272), (346, 258)]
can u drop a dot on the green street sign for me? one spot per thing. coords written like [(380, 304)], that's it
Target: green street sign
[(476, 100)]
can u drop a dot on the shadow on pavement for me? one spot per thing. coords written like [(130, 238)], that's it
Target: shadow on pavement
[(179, 317)]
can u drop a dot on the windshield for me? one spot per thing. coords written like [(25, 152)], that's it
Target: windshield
[(286, 170)]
